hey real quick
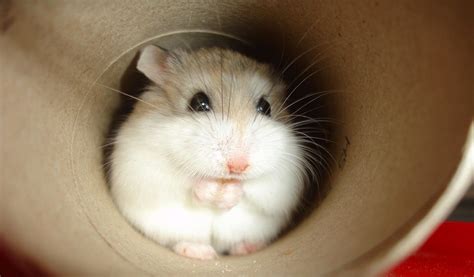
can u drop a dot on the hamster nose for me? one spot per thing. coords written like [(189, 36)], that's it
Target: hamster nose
[(237, 164)]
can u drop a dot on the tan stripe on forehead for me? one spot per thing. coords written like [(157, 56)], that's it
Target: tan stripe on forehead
[(242, 118), (233, 82)]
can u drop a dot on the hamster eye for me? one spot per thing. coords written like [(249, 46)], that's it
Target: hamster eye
[(263, 107), (200, 103)]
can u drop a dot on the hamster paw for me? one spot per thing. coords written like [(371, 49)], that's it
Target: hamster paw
[(218, 195), (195, 250), (244, 248), (206, 191), (229, 196)]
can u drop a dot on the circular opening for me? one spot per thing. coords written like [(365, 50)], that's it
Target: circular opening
[(391, 132), (309, 93), (406, 112)]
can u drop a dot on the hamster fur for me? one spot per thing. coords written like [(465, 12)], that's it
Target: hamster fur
[(225, 179)]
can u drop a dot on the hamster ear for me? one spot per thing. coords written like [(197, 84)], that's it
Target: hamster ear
[(152, 62)]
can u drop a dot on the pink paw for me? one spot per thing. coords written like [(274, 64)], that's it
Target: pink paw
[(206, 191), (223, 195), (195, 250), (229, 196), (244, 248)]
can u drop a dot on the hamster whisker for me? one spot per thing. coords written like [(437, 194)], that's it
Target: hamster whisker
[(309, 112), (280, 63), (310, 141), (315, 160), (331, 44), (107, 164), (316, 133), (319, 134), (303, 120), (232, 82), (308, 119), (310, 151), (316, 95), (304, 138), (318, 59), (128, 95), (303, 166), (307, 32), (300, 56), (307, 124), (319, 159), (287, 156), (318, 138), (107, 144), (297, 86), (222, 83)]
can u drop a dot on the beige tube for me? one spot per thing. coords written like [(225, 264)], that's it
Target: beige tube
[(404, 156)]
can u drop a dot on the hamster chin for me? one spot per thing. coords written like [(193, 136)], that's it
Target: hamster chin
[(207, 162)]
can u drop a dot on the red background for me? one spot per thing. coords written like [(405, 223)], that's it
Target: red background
[(448, 252)]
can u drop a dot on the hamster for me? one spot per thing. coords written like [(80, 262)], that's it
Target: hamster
[(207, 162)]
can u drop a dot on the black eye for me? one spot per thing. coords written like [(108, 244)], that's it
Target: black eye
[(200, 103), (263, 107)]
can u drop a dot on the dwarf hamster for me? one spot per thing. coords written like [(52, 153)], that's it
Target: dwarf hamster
[(207, 163)]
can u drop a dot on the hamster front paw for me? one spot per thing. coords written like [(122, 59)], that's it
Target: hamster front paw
[(195, 250), (221, 195), (229, 196), (206, 191)]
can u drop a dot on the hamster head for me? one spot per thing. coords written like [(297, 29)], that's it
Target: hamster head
[(218, 113)]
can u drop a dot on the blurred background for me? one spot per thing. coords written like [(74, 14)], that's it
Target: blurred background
[(465, 209)]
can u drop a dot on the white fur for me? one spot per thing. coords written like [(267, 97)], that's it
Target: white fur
[(158, 158)]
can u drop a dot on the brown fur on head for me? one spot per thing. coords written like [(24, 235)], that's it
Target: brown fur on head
[(233, 82)]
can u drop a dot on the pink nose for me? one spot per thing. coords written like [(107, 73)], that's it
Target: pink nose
[(237, 164)]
